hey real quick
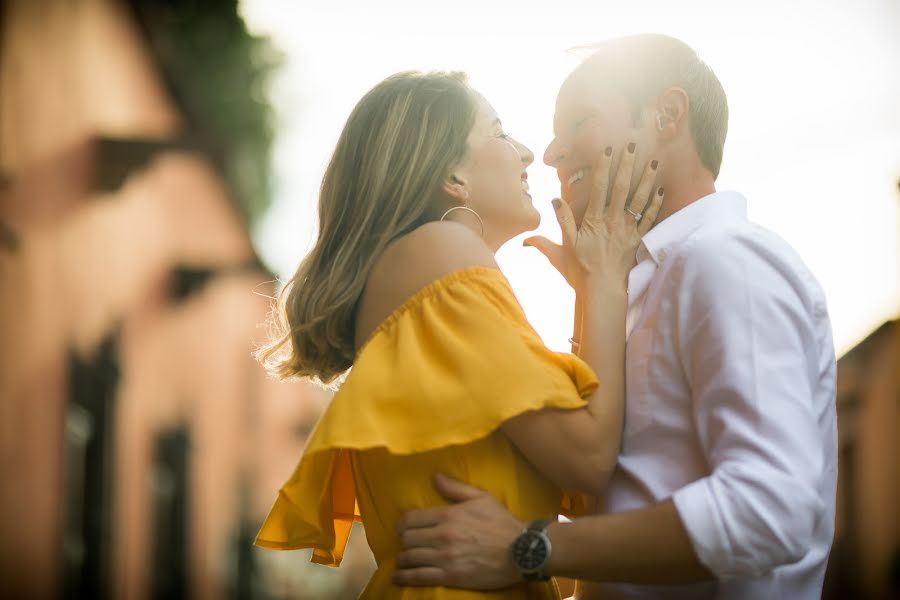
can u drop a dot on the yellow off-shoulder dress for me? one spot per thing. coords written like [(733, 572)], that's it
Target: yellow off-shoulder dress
[(427, 393)]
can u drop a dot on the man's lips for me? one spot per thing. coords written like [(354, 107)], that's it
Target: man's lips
[(575, 177), (569, 177)]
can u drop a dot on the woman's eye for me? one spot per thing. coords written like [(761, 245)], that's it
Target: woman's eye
[(503, 136)]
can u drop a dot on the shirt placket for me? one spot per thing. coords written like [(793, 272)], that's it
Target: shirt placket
[(638, 281)]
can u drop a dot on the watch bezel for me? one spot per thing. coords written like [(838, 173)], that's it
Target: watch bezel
[(534, 530)]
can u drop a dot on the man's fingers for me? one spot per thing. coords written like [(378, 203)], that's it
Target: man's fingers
[(411, 558), (651, 212), (420, 576), (622, 184), (599, 188), (425, 537), (453, 490), (421, 517)]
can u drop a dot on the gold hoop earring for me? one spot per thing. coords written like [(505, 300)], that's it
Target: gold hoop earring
[(466, 208)]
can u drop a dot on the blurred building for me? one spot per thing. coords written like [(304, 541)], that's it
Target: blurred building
[(138, 434), (865, 559)]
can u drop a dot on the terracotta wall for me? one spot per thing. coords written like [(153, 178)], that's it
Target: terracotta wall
[(864, 561), (84, 268)]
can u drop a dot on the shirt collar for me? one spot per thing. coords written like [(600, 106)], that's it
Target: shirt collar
[(718, 208)]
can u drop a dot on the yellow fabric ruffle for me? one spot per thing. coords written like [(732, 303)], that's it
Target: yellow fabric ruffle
[(446, 368)]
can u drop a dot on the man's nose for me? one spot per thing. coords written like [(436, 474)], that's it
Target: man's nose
[(555, 153)]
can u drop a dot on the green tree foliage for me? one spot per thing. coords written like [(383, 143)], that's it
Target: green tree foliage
[(219, 74)]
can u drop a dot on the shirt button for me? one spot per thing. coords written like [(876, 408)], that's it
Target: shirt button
[(661, 255)]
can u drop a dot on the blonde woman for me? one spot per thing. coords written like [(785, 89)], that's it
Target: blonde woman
[(447, 374)]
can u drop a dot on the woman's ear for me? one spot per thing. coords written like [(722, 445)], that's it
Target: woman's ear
[(455, 187)]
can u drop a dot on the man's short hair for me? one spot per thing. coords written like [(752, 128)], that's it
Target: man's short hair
[(644, 65)]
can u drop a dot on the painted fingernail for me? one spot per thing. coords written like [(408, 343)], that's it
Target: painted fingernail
[(608, 151), (660, 192), (556, 203), (631, 148), (654, 164)]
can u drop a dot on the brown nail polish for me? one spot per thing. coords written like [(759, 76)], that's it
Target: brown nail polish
[(608, 151), (631, 148), (660, 192), (654, 164), (556, 203)]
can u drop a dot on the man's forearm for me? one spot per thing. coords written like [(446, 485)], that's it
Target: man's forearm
[(648, 546)]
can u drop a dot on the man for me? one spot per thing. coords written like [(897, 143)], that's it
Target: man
[(725, 486)]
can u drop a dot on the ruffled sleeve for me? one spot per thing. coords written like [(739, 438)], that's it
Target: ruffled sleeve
[(448, 367)]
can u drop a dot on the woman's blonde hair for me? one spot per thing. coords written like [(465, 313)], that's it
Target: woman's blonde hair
[(383, 180)]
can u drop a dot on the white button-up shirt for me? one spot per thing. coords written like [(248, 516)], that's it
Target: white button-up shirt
[(730, 404)]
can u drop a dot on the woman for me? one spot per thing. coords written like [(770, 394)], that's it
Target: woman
[(423, 187)]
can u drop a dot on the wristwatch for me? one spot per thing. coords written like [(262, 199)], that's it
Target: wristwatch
[(530, 552)]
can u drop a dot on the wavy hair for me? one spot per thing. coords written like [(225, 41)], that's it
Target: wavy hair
[(383, 180)]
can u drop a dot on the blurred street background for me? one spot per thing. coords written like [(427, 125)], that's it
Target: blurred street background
[(159, 164)]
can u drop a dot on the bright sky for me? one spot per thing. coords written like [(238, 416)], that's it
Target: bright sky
[(813, 141)]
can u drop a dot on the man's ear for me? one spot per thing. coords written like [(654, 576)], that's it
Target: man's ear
[(455, 186), (671, 112)]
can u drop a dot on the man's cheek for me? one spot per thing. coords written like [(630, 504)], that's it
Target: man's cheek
[(580, 191), (591, 143)]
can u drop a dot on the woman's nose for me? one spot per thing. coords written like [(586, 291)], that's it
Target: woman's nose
[(526, 154)]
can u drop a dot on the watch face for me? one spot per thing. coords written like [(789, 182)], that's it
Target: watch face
[(530, 551)]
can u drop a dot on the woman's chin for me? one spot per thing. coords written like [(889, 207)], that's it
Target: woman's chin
[(527, 221), (533, 220), (530, 222)]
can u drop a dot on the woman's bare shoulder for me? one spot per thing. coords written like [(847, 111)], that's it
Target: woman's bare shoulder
[(438, 248), (414, 261)]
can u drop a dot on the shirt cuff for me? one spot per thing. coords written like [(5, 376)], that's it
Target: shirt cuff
[(700, 516)]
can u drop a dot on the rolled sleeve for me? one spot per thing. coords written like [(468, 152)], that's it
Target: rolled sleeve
[(747, 343)]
